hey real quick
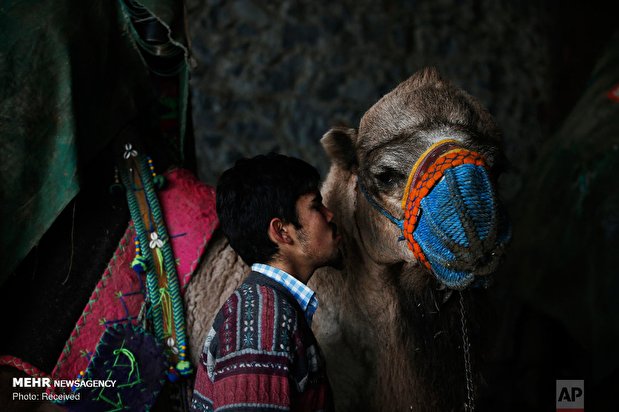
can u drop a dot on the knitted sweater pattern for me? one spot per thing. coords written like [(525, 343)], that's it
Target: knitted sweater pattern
[(261, 354)]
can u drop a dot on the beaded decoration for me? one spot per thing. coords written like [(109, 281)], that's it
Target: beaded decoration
[(158, 180), (163, 292), (139, 262), (79, 377), (116, 187)]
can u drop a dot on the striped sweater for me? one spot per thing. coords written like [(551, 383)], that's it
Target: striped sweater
[(261, 354)]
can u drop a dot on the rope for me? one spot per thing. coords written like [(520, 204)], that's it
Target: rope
[(17, 363), (169, 261), (398, 222), (151, 278), (469, 404)]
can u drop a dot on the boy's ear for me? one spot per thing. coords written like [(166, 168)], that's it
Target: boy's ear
[(278, 231)]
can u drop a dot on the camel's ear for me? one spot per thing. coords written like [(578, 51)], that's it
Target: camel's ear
[(339, 143)]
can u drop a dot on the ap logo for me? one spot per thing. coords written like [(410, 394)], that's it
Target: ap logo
[(570, 396)]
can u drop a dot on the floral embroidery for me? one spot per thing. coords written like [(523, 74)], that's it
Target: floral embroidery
[(249, 326), (287, 323), (249, 335)]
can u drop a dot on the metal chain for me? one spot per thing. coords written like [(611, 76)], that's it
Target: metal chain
[(469, 404)]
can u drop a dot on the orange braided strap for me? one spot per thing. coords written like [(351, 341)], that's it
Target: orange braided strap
[(426, 173)]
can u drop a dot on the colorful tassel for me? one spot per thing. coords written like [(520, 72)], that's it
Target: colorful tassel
[(173, 375), (139, 262), (159, 181), (184, 368)]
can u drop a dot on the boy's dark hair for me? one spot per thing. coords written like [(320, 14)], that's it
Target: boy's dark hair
[(255, 191)]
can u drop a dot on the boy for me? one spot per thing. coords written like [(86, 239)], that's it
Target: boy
[(261, 353)]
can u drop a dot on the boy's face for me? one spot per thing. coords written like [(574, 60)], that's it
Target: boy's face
[(318, 237)]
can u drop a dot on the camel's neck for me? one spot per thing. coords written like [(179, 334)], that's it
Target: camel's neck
[(411, 327)]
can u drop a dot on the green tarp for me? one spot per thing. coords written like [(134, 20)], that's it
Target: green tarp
[(71, 77)]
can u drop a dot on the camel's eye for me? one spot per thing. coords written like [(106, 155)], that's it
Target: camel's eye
[(388, 178)]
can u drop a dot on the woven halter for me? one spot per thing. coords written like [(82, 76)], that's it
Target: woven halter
[(424, 175)]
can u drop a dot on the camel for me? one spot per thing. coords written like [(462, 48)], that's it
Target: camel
[(396, 336)]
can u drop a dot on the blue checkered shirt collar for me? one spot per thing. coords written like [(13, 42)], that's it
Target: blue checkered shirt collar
[(302, 293)]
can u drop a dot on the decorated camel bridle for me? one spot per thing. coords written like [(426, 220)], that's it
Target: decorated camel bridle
[(451, 186), (446, 166)]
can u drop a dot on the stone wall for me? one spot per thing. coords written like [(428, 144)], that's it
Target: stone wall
[(276, 75)]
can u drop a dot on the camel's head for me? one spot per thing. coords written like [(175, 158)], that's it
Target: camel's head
[(420, 172)]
